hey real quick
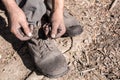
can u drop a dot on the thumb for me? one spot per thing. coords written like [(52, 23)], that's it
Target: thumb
[(54, 30), (26, 29)]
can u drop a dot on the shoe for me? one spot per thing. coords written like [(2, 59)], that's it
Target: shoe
[(73, 27), (48, 59)]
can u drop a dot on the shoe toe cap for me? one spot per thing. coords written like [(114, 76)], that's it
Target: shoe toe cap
[(54, 66), (73, 31)]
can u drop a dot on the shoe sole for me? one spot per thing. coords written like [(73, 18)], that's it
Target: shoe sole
[(58, 75)]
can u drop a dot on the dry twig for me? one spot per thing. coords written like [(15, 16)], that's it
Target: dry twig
[(88, 70), (112, 5)]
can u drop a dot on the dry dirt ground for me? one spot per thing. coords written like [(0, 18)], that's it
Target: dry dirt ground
[(93, 55)]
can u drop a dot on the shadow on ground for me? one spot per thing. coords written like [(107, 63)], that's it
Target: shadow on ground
[(19, 46)]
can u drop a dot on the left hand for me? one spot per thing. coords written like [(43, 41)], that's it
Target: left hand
[(58, 26)]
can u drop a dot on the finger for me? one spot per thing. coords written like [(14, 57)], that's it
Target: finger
[(26, 28), (54, 30), (61, 31), (19, 35), (31, 28), (46, 29)]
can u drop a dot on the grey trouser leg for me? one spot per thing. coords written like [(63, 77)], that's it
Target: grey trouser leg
[(33, 9)]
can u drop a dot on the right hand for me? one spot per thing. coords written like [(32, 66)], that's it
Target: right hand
[(18, 21)]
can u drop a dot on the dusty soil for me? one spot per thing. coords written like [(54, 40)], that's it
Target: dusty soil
[(93, 55)]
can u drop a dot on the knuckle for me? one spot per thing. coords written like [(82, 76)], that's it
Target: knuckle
[(25, 25)]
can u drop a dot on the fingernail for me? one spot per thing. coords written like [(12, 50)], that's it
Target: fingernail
[(0, 56), (30, 34), (53, 35)]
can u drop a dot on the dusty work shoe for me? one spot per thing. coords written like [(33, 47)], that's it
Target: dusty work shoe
[(48, 59), (73, 27), (72, 31)]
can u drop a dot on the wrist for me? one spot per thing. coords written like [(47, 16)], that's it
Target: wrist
[(58, 5), (10, 5), (59, 11)]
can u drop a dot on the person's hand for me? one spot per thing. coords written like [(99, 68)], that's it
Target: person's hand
[(18, 21), (58, 26)]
